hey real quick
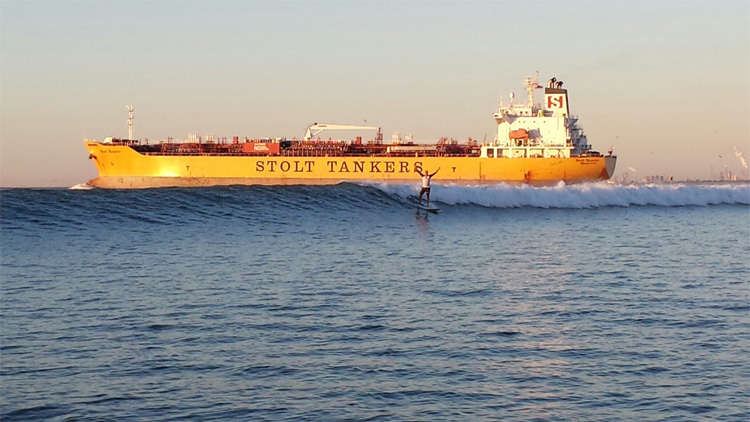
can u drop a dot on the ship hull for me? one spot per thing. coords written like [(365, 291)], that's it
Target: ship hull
[(121, 167)]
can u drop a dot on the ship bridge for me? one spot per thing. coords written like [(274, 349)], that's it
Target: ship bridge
[(545, 130)]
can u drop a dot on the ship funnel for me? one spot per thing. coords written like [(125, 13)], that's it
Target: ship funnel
[(556, 99)]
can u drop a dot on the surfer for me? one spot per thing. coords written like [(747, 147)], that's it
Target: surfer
[(426, 176)]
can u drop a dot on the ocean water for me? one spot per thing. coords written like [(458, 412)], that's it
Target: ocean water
[(592, 302)]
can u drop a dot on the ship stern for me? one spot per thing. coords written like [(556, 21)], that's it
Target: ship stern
[(610, 162)]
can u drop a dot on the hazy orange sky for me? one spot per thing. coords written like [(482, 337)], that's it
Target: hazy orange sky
[(666, 82)]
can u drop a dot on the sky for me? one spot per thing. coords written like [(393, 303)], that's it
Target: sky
[(667, 83)]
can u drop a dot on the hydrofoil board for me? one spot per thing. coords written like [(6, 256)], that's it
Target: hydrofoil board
[(428, 208)]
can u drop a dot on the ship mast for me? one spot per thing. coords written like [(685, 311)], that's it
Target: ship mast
[(530, 87), (130, 122)]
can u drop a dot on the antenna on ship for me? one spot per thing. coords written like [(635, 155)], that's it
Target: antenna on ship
[(530, 87), (130, 122)]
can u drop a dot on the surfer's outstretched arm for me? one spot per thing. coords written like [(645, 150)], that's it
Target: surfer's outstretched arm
[(438, 169)]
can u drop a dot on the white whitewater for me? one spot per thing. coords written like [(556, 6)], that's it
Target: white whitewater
[(584, 195)]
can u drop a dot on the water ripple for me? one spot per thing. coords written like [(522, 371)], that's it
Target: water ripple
[(339, 303)]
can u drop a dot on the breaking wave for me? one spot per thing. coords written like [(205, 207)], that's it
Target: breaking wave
[(81, 186), (579, 196)]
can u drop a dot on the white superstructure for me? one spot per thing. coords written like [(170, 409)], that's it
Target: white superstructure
[(545, 130)]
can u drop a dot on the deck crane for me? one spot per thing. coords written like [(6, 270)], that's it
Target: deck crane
[(314, 129)]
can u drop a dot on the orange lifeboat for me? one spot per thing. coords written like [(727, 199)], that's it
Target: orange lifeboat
[(519, 134)]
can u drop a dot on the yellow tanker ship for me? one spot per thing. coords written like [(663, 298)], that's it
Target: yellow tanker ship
[(535, 143)]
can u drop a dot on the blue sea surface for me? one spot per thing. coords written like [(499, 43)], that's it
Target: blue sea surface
[(593, 302)]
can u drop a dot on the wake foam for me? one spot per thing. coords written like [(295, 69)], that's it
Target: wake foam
[(584, 195), (81, 186)]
